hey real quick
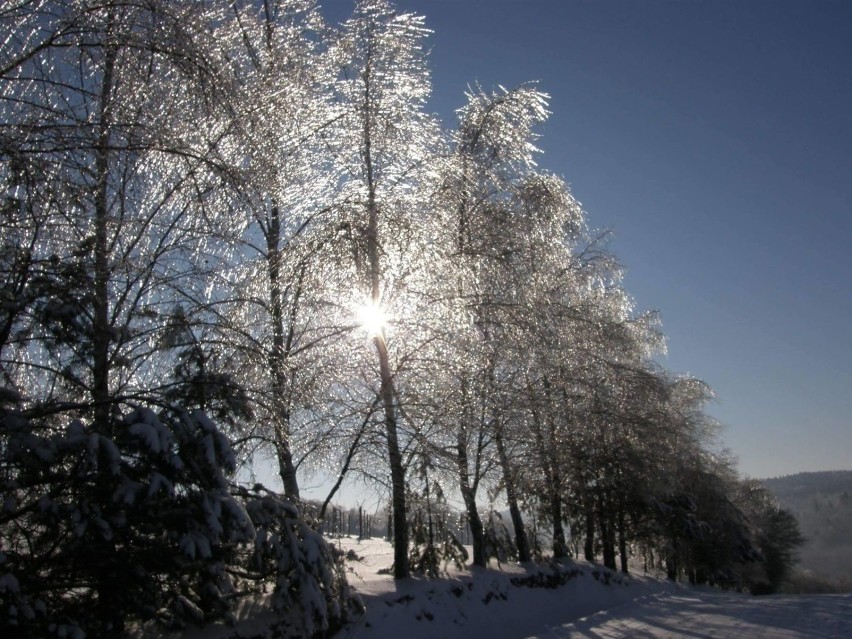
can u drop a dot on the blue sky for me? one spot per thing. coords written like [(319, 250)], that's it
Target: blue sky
[(715, 140)]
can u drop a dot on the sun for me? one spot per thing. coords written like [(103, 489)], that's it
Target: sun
[(373, 319)]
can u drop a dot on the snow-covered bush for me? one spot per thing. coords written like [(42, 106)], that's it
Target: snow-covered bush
[(433, 545), (310, 587), (142, 524), (498, 540), (100, 528)]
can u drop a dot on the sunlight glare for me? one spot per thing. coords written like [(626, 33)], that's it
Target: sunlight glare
[(372, 319)]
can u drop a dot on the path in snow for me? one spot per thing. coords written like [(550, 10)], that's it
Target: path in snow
[(704, 615)]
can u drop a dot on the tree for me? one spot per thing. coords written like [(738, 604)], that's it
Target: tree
[(118, 500), (776, 534), (180, 536), (279, 109), (155, 495), (119, 222), (578, 306), (386, 140), (113, 224), (509, 225)]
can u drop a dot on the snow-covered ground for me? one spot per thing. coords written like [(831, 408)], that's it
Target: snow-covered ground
[(486, 603), (704, 614)]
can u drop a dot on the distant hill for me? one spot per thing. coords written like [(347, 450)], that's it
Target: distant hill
[(822, 502), (803, 485)]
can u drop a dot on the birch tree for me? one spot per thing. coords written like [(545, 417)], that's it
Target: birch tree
[(387, 140), (278, 104), (113, 114), (492, 158)]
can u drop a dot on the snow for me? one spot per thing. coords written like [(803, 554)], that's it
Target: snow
[(192, 544), (480, 601), (464, 604), (148, 434), (485, 603), (215, 441), (159, 482), (707, 614)]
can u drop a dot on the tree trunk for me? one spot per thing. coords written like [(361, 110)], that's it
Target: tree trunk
[(101, 333), (111, 622), (521, 541), (607, 533), (469, 496), (353, 448), (400, 527), (278, 356), (554, 478), (671, 561), (386, 391), (560, 548), (622, 540), (286, 468), (589, 546)]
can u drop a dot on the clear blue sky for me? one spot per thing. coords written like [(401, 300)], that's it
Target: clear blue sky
[(715, 139)]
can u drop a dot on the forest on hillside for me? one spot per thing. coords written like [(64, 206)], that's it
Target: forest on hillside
[(822, 504), (231, 230)]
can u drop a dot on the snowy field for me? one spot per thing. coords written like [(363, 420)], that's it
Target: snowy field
[(485, 603)]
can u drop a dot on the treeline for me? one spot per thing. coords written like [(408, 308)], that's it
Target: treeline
[(230, 229)]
